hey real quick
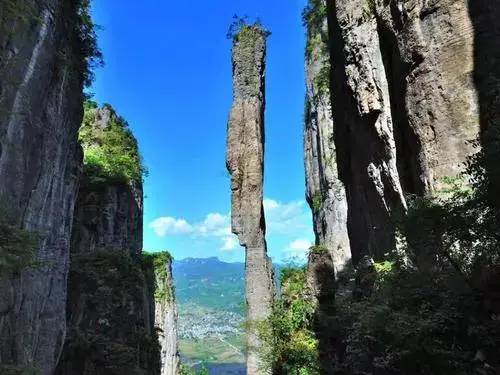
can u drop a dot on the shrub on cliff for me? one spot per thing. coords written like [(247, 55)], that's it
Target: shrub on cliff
[(158, 263), (111, 152), (290, 346), (437, 310), (18, 246)]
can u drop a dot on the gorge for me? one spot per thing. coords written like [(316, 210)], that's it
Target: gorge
[(400, 147)]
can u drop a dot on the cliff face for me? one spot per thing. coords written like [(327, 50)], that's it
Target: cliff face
[(110, 306), (41, 82), (405, 106), (245, 157), (324, 191), (166, 314)]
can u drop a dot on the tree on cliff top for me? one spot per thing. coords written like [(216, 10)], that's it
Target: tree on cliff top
[(111, 152)]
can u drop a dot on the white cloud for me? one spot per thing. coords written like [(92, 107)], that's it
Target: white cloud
[(286, 218), (300, 245), (297, 250), (282, 219), (169, 225), (230, 243), (214, 225)]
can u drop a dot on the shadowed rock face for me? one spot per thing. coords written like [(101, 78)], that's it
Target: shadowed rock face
[(166, 321), (324, 191), (41, 83), (405, 106), (364, 130), (245, 155)]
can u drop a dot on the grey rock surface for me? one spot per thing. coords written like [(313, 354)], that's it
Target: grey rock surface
[(325, 192), (166, 320), (366, 147), (405, 106), (245, 162), (41, 84)]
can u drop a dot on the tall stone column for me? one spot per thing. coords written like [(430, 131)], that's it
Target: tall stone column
[(245, 162)]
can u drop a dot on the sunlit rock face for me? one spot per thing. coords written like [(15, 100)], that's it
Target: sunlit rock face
[(166, 320), (324, 191), (405, 107), (41, 82), (245, 158)]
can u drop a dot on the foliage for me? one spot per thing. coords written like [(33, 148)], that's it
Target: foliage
[(19, 9), (160, 263), (18, 246), (19, 370), (88, 49), (242, 29), (185, 370), (437, 314), (290, 345), (318, 249), (414, 324), (108, 285), (111, 153), (317, 201)]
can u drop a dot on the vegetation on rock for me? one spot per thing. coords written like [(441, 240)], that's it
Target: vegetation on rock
[(290, 345), (113, 334), (241, 29), (18, 246), (159, 263), (111, 153), (89, 52)]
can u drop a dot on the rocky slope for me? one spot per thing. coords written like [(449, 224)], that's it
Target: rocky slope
[(42, 73), (245, 156), (110, 305)]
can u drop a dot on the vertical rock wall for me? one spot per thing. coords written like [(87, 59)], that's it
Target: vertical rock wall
[(110, 306), (166, 317), (324, 191), (405, 106), (366, 147), (245, 162), (41, 81)]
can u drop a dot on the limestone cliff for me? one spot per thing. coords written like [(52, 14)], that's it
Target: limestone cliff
[(405, 106), (110, 307), (42, 73), (324, 190), (245, 163), (166, 313)]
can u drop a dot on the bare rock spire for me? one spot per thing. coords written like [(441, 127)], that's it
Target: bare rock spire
[(245, 162)]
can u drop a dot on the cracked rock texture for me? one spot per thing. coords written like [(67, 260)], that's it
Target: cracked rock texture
[(41, 82), (166, 321), (245, 159), (325, 192), (405, 105)]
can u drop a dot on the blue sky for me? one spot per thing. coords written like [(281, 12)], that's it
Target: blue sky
[(168, 72)]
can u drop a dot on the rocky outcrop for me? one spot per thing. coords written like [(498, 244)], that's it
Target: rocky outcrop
[(166, 314), (245, 158), (42, 72), (110, 308), (325, 192), (404, 103)]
